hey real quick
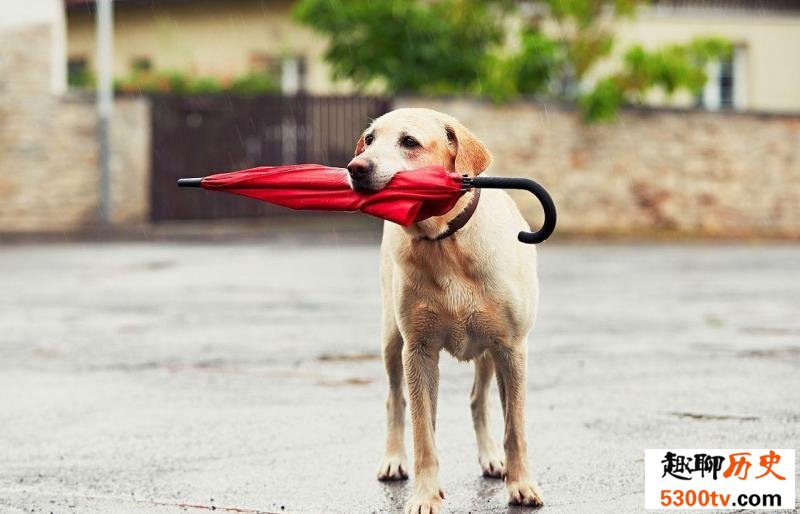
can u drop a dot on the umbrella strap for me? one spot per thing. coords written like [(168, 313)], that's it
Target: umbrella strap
[(461, 218)]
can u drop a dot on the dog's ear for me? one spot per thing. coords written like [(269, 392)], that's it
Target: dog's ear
[(359, 146), (471, 155)]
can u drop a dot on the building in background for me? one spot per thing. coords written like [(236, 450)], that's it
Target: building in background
[(48, 139), (228, 38), (763, 73), (46, 19), (686, 172), (219, 38)]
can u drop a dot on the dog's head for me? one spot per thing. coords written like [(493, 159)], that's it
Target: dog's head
[(407, 139)]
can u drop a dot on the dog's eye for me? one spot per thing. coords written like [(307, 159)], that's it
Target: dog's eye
[(409, 142), (368, 139)]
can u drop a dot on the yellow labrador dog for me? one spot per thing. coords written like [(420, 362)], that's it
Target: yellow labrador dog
[(460, 282)]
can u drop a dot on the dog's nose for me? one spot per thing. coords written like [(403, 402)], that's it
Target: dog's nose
[(359, 169)]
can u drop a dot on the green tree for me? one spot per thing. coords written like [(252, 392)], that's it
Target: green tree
[(671, 68), (179, 82), (406, 46), (467, 46)]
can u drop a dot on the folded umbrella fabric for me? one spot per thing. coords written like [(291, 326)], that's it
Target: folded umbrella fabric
[(411, 196)]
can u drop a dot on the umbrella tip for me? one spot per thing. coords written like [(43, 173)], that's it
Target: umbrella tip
[(189, 182)]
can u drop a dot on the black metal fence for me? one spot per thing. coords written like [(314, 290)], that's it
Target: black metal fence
[(201, 135)]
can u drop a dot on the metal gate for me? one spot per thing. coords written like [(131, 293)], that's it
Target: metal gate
[(200, 135)]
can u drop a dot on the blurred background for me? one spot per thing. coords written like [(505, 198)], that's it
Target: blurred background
[(655, 118), (168, 350)]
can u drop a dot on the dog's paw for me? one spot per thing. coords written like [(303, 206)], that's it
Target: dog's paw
[(525, 493), (425, 504), (492, 464), (393, 467)]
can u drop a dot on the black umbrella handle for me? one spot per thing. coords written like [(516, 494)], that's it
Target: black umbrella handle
[(527, 184), (190, 182)]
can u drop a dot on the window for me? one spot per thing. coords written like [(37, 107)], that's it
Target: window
[(289, 72), (726, 84), (141, 64), (78, 75), (725, 88), (293, 75)]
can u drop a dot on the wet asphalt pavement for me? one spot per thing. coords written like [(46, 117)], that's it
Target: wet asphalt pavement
[(159, 377)]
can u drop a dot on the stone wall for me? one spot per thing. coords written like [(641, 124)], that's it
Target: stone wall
[(669, 172), (652, 172), (48, 146)]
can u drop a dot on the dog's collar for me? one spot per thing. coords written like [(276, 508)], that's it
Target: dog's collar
[(461, 218)]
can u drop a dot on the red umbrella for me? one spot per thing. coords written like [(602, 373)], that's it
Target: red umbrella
[(411, 196)]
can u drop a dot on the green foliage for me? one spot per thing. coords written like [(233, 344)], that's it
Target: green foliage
[(585, 31), (253, 84), (203, 85), (463, 46), (406, 46), (603, 102), (585, 13), (82, 79), (671, 68), (528, 71), (178, 82)]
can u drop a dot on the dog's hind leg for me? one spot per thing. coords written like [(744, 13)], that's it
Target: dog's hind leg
[(511, 367), (394, 465), (489, 456)]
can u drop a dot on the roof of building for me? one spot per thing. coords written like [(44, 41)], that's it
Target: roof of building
[(748, 5), (760, 5), (89, 4)]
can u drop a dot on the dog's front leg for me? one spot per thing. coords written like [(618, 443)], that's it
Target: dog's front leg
[(421, 363), (393, 466), (489, 456), (511, 368)]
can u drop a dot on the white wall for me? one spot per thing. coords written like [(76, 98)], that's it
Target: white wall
[(27, 13), (39, 12), (767, 46)]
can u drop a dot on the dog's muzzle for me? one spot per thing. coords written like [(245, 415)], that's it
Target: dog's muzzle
[(361, 172)]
